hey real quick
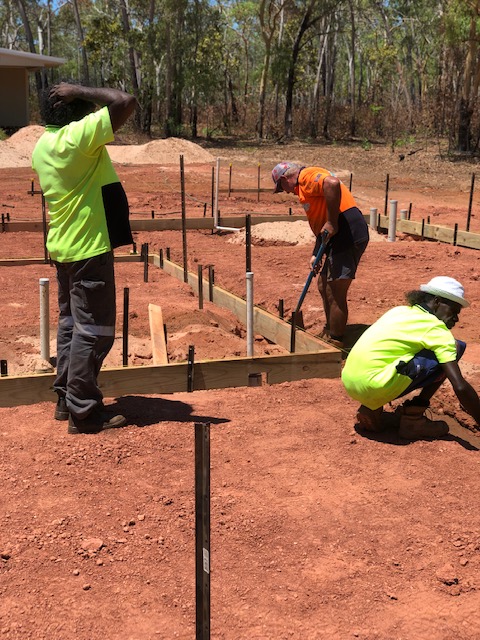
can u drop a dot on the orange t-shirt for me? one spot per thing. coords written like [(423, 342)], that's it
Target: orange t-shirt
[(310, 194)]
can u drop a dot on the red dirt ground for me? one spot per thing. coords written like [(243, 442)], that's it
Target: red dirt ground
[(318, 532)]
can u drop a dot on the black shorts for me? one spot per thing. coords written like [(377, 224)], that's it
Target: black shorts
[(341, 264), (346, 247)]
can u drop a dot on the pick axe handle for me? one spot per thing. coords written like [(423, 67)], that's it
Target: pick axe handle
[(311, 275)]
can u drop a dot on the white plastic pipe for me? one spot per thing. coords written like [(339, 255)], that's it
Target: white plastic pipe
[(373, 219), (44, 319), (215, 199), (403, 214), (392, 221), (250, 328)]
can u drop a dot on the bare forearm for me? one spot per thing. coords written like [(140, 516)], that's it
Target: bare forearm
[(120, 104), (469, 400), (102, 96)]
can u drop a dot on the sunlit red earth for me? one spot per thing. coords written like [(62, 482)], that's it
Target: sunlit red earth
[(317, 531)]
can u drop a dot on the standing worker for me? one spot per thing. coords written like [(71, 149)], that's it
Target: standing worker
[(89, 217), (330, 207), (411, 347)]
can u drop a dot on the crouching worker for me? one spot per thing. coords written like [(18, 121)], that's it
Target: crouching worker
[(408, 348)]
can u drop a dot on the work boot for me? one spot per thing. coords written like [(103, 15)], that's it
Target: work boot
[(370, 419), (95, 422), (61, 410), (414, 424)]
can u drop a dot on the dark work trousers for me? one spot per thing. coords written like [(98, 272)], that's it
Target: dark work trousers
[(86, 329), (424, 368)]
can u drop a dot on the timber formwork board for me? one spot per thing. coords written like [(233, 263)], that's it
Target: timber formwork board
[(433, 232), (313, 358), (175, 224), (417, 228)]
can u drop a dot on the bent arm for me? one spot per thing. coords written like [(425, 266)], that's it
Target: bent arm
[(464, 391), (120, 104), (333, 196)]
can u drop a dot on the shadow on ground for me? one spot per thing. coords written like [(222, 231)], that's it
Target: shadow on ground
[(389, 435), (143, 411)]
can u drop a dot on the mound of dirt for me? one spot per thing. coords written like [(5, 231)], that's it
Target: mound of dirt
[(285, 233), (17, 150), (165, 151)]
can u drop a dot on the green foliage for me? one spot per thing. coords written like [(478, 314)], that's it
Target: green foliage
[(202, 60), (3, 135), (406, 140)]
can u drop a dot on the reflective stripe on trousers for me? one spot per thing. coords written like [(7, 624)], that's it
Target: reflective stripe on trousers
[(86, 329)]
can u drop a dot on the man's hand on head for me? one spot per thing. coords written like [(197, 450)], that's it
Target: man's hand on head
[(64, 93)]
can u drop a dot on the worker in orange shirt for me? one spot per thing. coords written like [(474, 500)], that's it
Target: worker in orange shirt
[(331, 208)]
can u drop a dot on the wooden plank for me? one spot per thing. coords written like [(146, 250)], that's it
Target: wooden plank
[(172, 378), (26, 225), (22, 262), (175, 224), (157, 334), (468, 239), (170, 224), (266, 324)]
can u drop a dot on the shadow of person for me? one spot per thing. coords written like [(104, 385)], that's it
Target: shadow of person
[(352, 334), (143, 411)]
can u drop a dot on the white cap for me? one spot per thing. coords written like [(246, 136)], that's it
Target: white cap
[(447, 288)]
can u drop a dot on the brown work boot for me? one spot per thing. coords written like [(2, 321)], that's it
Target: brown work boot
[(414, 424), (370, 419), (97, 421)]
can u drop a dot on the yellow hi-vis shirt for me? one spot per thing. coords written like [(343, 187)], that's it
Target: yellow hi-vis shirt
[(370, 374), (73, 166)]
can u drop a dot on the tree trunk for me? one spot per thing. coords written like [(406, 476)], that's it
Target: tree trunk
[(40, 77), (304, 25), (262, 95), (133, 65), (313, 124), (329, 75), (351, 66), (85, 78), (269, 14), (470, 75)]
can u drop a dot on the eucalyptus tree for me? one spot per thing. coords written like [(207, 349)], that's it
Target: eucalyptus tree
[(206, 70), (269, 13), (462, 28), (242, 47), (10, 25), (306, 14)]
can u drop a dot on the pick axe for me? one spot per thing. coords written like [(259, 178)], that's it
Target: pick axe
[(311, 275)]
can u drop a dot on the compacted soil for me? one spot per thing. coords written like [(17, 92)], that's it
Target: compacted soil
[(317, 531)]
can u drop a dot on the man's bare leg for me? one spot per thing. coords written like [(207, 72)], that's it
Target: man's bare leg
[(334, 296)]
